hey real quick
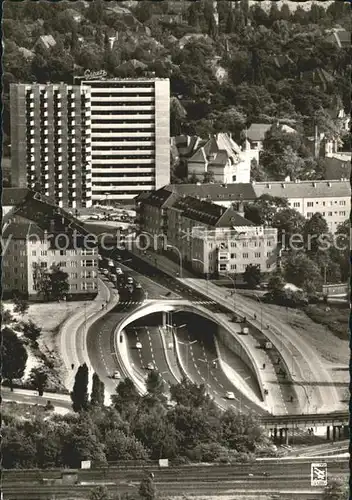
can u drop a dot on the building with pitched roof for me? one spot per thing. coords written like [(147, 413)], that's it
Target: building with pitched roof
[(256, 134), (332, 199), (222, 158), (37, 235), (211, 238)]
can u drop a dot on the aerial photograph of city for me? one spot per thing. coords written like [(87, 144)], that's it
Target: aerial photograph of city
[(176, 249)]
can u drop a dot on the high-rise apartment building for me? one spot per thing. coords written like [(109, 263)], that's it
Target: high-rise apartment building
[(130, 137), (50, 141)]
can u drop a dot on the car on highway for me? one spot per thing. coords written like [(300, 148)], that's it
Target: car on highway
[(116, 375), (138, 345), (150, 366), (230, 395)]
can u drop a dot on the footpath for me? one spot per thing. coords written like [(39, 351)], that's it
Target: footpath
[(274, 401), (72, 335)]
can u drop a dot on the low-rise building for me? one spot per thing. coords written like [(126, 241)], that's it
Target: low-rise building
[(210, 238), (222, 159), (331, 198), (337, 165), (255, 135), (28, 248), (37, 235)]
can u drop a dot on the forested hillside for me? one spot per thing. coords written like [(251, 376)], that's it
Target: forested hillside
[(245, 64)]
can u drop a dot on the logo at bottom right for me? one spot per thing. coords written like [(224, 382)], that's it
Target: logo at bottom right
[(319, 474)]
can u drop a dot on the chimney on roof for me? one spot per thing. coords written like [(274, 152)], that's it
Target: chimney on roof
[(240, 208)]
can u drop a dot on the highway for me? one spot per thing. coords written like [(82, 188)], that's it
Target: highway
[(280, 477), (152, 351), (198, 353), (304, 363)]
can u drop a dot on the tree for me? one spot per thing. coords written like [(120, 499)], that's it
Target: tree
[(6, 316), (177, 116), (31, 331), (315, 231), (336, 489), (155, 384), (279, 156), (98, 391), (14, 356), (79, 395), (126, 398), (39, 378), (51, 284), (288, 222), (276, 284), (188, 394), (240, 431), (20, 306), (119, 446), (252, 275), (302, 272), (99, 493), (264, 208), (208, 177), (59, 283), (147, 489)]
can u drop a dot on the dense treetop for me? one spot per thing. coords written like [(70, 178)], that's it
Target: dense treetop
[(269, 58)]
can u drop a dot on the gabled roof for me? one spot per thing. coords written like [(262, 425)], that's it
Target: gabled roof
[(216, 192), (209, 213), (217, 150), (161, 198), (257, 131)]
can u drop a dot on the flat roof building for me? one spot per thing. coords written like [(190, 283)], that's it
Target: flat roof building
[(130, 136), (50, 141)]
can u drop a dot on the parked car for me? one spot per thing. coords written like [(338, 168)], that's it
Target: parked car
[(138, 345), (230, 395), (116, 375)]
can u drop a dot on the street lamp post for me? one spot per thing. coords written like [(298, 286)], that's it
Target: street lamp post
[(188, 344), (180, 256)]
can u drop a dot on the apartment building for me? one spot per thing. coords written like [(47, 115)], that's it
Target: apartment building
[(130, 137), (27, 246), (331, 198), (50, 141), (212, 239)]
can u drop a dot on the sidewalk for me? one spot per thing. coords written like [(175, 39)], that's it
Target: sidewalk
[(72, 337), (274, 400)]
